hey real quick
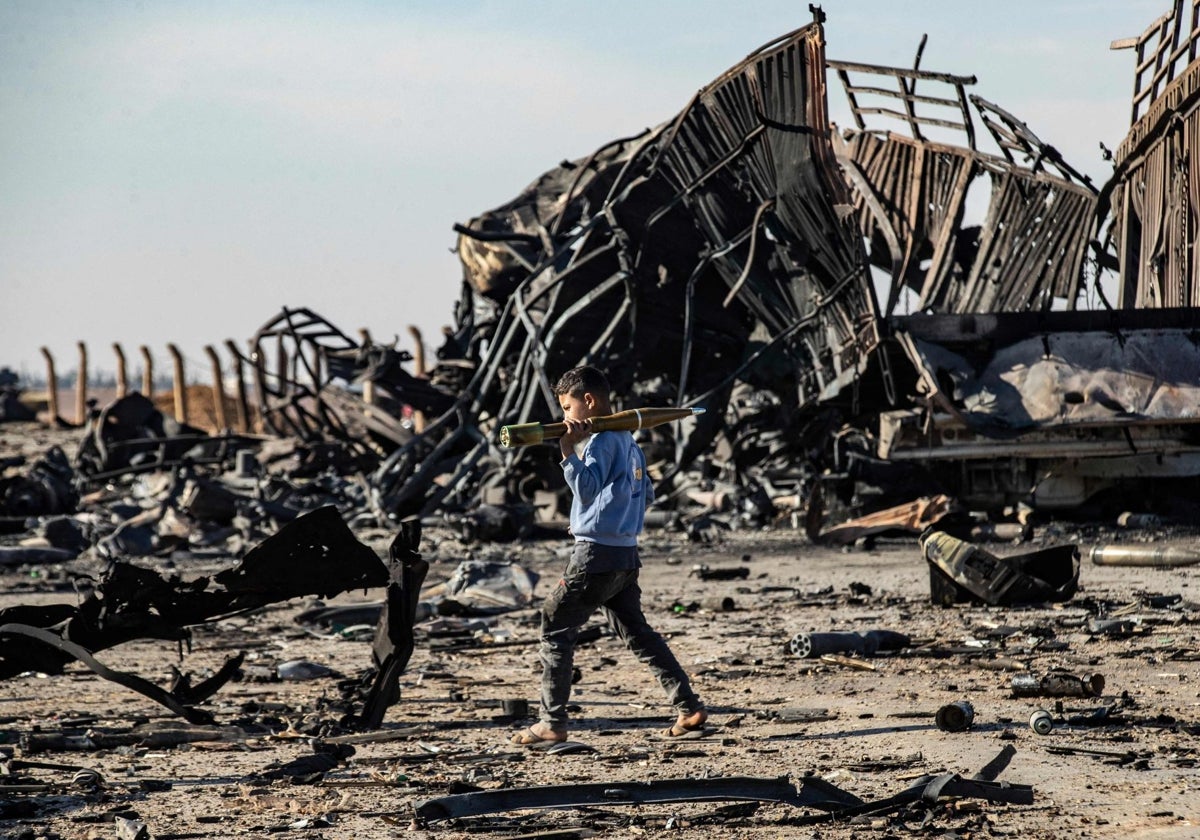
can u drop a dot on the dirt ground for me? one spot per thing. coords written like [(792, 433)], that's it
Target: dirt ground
[(869, 732)]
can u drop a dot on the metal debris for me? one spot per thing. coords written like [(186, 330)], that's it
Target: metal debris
[(1057, 684), (815, 645), (812, 793), (959, 572)]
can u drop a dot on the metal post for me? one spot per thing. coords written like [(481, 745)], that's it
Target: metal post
[(181, 406), (419, 420), (81, 387), (218, 388), (147, 373), (122, 382), (260, 381), (51, 388), (419, 369), (368, 392), (242, 404)]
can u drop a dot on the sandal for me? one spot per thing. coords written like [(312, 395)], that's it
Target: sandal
[(687, 724), (529, 738)]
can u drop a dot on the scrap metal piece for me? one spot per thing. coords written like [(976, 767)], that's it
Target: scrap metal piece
[(315, 554), (812, 793), (930, 789), (393, 645), (992, 770), (910, 195), (960, 572), (722, 228), (130, 681), (132, 432), (46, 488), (1153, 204), (914, 516)]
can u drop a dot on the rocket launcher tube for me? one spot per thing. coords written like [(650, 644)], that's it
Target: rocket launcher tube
[(630, 420)]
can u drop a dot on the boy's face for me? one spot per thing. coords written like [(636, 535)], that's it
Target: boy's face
[(582, 407)]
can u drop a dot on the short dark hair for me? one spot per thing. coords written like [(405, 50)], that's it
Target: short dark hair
[(580, 380)]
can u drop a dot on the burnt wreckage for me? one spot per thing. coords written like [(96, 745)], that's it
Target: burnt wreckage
[(822, 294)]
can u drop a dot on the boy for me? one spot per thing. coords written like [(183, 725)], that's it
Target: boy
[(611, 492)]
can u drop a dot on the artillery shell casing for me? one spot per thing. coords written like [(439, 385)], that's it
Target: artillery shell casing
[(955, 717), (1041, 722)]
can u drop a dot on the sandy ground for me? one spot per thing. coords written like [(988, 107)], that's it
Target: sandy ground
[(870, 732)]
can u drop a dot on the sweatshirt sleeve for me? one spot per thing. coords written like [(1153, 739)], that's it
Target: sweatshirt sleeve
[(585, 476)]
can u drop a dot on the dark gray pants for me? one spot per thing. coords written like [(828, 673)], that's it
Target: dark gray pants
[(569, 606)]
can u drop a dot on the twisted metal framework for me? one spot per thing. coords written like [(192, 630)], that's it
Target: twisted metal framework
[(1154, 193), (727, 214), (911, 192)]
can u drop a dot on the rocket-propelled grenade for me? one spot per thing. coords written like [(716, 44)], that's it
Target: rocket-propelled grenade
[(630, 420)]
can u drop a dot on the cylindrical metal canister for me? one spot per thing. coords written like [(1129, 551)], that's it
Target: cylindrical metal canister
[(955, 717), (813, 645), (1041, 722), (1057, 684)]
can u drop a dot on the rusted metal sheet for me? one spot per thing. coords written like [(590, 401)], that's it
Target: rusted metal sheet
[(910, 194), (1154, 193)]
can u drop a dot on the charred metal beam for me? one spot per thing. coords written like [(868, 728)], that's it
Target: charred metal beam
[(812, 793), (393, 645), (130, 681)]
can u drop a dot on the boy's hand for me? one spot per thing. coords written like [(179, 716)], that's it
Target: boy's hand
[(577, 430)]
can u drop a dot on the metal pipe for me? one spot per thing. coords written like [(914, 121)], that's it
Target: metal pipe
[(813, 645), (629, 420), (955, 717), (368, 388), (1057, 684)]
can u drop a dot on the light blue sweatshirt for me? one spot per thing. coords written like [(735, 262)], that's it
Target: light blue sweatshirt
[(611, 487)]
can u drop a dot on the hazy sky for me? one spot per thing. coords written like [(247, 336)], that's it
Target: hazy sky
[(176, 171)]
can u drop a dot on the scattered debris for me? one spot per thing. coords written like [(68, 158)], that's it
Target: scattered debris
[(871, 367)]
